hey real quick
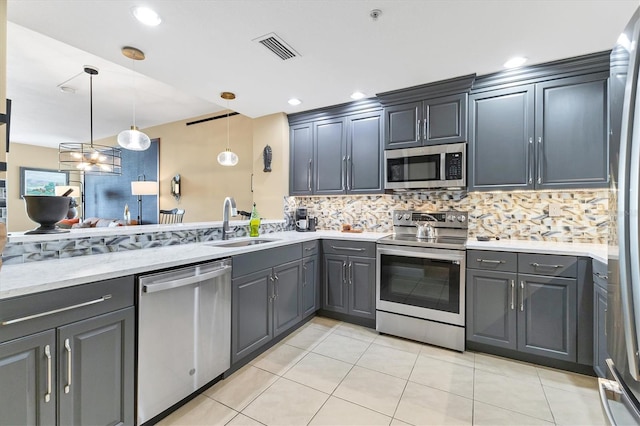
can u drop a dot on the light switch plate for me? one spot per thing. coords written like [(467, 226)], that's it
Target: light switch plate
[(555, 210)]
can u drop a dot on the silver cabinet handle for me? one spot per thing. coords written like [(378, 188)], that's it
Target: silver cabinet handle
[(55, 311), (347, 172), (424, 129), (342, 172), (521, 296), (275, 284), (67, 347), (47, 353), (350, 272), (539, 159), (309, 248), (605, 322), (542, 265), (304, 275), (309, 174), (344, 271), (531, 160), (495, 262), (347, 248), (599, 275), (273, 295), (152, 288), (418, 130), (513, 294)]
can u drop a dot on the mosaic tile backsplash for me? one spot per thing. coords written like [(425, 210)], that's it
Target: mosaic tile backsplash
[(522, 215)]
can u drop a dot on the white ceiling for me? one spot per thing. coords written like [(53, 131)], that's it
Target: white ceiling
[(205, 47)]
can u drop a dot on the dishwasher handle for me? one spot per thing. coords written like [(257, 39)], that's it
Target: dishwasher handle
[(152, 288)]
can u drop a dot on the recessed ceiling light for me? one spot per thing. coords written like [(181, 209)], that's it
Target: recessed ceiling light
[(67, 89), (515, 62), (294, 101), (358, 95), (146, 16)]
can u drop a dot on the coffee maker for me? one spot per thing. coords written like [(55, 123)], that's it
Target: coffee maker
[(301, 219)]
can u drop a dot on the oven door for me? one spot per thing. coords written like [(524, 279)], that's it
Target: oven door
[(421, 282)]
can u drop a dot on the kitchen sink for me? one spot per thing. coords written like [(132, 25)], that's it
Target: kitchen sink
[(243, 243)]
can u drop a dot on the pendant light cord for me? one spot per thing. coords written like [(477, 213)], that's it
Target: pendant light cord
[(228, 125), (135, 91), (91, 106)]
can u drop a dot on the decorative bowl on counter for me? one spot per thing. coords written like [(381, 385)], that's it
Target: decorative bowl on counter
[(47, 210)]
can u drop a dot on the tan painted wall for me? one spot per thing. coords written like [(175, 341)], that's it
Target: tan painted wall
[(269, 189), (22, 155), (3, 76)]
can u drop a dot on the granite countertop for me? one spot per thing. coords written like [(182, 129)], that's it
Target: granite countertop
[(34, 277)]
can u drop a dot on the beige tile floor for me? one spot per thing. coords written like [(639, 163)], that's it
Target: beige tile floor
[(333, 373)]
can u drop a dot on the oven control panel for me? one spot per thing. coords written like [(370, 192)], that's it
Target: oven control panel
[(448, 219)]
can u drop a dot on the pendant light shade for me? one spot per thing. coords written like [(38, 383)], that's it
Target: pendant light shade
[(133, 139), (227, 157), (90, 158)]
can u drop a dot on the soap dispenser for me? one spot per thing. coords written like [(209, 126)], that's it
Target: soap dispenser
[(254, 222)]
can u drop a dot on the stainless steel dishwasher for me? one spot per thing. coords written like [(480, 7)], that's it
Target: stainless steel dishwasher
[(184, 333)]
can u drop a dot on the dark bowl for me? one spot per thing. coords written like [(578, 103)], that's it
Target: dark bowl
[(47, 211)]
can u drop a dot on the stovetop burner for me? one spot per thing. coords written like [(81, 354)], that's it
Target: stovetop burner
[(451, 227)]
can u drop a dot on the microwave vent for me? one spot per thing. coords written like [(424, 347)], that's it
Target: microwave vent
[(277, 46)]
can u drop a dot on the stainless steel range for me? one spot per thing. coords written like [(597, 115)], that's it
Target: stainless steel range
[(421, 278)]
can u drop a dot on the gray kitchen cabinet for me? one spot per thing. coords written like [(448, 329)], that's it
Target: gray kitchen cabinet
[(310, 279), (600, 352), (336, 150), (491, 315), (523, 302), (401, 128), (301, 179), (501, 135), (27, 374), (349, 280), (547, 316), (548, 135), (96, 371), (266, 297), (68, 355), (330, 156)]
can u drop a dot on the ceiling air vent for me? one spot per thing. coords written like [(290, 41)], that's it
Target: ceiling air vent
[(278, 46)]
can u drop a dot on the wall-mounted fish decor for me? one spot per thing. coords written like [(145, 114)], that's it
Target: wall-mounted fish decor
[(266, 156)]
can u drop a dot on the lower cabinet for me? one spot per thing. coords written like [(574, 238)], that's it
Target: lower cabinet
[(600, 352), (266, 302), (310, 285), (81, 373), (349, 280), (530, 313)]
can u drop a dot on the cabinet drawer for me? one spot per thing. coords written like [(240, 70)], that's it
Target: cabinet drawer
[(54, 308), (600, 274), (492, 260), (310, 248), (349, 248), (548, 264), (244, 264)]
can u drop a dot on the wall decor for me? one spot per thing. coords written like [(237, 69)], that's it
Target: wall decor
[(41, 181), (267, 155)]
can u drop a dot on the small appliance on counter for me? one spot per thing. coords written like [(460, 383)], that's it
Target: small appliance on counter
[(301, 219)]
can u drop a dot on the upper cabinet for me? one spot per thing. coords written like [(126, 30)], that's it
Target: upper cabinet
[(337, 151), (430, 114), (550, 133)]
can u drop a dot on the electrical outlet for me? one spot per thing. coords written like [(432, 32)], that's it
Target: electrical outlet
[(555, 210)]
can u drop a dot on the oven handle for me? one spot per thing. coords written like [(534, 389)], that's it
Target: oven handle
[(450, 255)]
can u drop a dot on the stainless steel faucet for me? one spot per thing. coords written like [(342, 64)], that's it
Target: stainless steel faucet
[(228, 209)]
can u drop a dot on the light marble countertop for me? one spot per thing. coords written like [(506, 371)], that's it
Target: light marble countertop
[(34, 277)]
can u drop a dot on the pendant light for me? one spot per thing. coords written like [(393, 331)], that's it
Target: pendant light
[(133, 139), (90, 158), (227, 157)]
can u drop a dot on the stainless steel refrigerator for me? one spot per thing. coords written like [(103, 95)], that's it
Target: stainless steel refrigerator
[(620, 393)]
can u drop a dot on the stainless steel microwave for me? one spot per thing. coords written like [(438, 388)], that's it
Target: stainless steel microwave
[(434, 166)]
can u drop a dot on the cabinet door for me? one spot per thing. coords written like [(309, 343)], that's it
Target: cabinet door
[(402, 125), (301, 159), (600, 353), (330, 156), (571, 133), (334, 288), (501, 132), (364, 154), (251, 313), (446, 120), (287, 303), (547, 316), (27, 377), (310, 290), (362, 286), (98, 388), (491, 308)]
